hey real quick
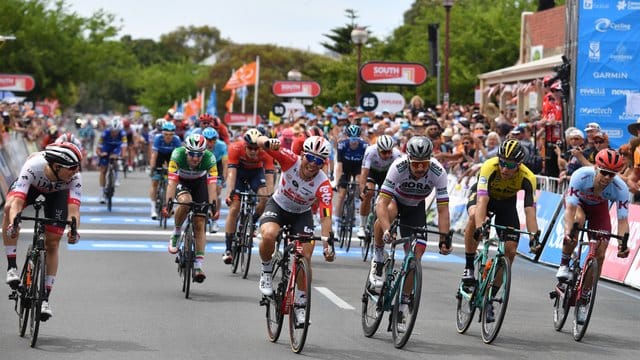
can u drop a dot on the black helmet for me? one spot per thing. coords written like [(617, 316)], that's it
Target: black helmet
[(511, 150), (65, 154)]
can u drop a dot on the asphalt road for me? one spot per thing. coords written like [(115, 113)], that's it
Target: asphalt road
[(117, 296)]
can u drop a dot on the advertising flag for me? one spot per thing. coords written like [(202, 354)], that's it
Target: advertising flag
[(245, 75)]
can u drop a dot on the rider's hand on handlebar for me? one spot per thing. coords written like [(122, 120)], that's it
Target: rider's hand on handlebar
[(165, 212), (386, 237), (623, 252), (73, 238), (445, 245)]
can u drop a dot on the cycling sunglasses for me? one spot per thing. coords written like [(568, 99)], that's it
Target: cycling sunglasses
[(71, 168), (507, 164), (607, 173), (314, 159), (195, 153)]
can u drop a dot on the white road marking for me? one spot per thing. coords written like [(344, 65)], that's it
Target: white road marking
[(334, 298)]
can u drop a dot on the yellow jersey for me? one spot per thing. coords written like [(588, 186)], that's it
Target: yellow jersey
[(491, 183)]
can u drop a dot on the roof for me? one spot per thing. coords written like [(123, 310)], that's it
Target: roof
[(522, 72)]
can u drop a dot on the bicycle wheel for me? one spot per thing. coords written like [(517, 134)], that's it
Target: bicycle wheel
[(37, 293), (351, 216), (465, 308), (372, 306), (402, 323), (590, 268), (188, 254), (23, 305), (245, 248), (298, 331), (274, 305), (236, 245), (561, 305), (109, 188), (366, 244), (160, 203), (496, 296)]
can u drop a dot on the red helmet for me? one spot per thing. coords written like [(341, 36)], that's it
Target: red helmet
[(206, 117), (610, 160), (126, 123), (314, 131)]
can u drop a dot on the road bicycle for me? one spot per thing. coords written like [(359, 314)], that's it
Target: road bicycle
[(348, 218), (110, 181), (291, 273), (572, 292), (30, 293), (366, 243), (242, 242), (160, 195), (489, 293), (187, 244), (402, 287)]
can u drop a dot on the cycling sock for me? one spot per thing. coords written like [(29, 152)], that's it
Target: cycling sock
[(378, 254), (49, 280), (11, 256), (228, 238), (267, 267), (564, 259), (199, 259), (469, 257)]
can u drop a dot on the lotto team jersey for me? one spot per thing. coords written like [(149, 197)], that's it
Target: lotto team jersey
[(407, 190), (373, 161), (581, 191), (492, 184), (296, 195), (32, 175), (179, 166)]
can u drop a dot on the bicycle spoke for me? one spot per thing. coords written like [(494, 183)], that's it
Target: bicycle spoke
[(299, 324)]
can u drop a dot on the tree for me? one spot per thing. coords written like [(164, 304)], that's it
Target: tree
[(341, 36), (195, 43)]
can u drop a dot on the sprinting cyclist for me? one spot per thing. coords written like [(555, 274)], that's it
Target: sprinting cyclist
[(163, 146), (192, 177), (219, 150), (113, 143), (53, 173)]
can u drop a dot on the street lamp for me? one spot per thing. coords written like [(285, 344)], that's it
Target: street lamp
[(359, 36), (448, 4), (294, 75)]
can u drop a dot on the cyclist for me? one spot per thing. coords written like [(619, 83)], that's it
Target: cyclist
[(192, 176), (130, 154), (409, 180), (499, 180), (69, 137), (246, 164), (54, 173), (163, 146), (376, 163), (222, 130), (302, 183), (181, 125), (350, 155), (587, 199), (219, 150), (113, 143)]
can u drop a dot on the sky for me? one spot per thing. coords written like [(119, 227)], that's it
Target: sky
[(290, 23)]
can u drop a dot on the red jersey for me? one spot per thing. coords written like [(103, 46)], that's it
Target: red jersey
[(238, 158)]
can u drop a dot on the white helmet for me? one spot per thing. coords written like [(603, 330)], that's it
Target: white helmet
[(178, 116), (385, 143), (116, 123), (316, 145)]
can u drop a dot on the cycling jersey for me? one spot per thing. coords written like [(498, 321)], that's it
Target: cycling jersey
[(351, 158), (405, 189), (238, 158), (32, 175), (162, 147), (179, 166), (580, 191), (295, 195), (220, 151), (491, 184), (112, 144), (374, 162)]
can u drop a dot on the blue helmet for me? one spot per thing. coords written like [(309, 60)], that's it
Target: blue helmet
[(168, 126), (210, 133), (353, 131)]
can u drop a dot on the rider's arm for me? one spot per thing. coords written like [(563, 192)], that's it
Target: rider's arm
[(232, 173), (73, 210), (444, 222), (481, 209), (532, 221), (623, 226), (529, 186), (382, 211), (152, 161), (364, 173)]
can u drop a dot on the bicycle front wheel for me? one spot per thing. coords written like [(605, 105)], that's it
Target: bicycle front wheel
[(23, 306), (585, 302), (37, 293), (465, 308), (351, 216), (275, 301), (405, 308), (189, 254), (245, 248), (561, 305), (301, 306), (495, 298), (372, 306)]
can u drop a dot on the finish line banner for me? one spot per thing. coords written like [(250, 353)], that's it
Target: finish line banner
[(607, 77)]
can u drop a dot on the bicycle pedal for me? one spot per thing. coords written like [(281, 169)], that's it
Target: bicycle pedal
[(264, 301)]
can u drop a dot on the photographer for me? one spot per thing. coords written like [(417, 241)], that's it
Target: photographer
[(573, 158)]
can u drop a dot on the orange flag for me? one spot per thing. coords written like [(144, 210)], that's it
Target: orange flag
[(246, 75), (229, 103)]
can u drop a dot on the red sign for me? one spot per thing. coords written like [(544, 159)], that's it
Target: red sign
[(387, 73), (16, 82), (300, 89), (238, 119)]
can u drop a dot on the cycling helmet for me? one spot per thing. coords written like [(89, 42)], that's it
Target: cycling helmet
[(210, 133), (610, 160), (66, 137), (168, 126), (353, 131), (316, 145), (178, 116), (65, 154), (511, 150), (314, 131), (385, 143), (116, 123), (126, 123), (419, 148), (205, 117), (262, 129), (160, 123), (195, 142), (272, 133), (251, 136)]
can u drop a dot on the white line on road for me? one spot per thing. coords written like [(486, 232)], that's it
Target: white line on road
[(334, 298)]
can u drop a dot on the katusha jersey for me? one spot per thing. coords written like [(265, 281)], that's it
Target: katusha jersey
[(580, 191)]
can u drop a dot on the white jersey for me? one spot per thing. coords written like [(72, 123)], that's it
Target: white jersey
[(295, 195), (33, 175), (406, 190), (374, 162)]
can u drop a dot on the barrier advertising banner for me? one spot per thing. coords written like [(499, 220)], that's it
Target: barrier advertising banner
[(546, 205), (615, 268)]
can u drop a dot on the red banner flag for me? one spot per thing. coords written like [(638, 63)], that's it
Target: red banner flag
[(246, 75)]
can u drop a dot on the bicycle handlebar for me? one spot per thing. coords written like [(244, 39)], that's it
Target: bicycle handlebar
[(576, 229), (48, 221)]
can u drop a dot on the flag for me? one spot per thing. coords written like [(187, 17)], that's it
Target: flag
[(246, 75), (243, 92), (212, 107), (229, 103), (180, 106)]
